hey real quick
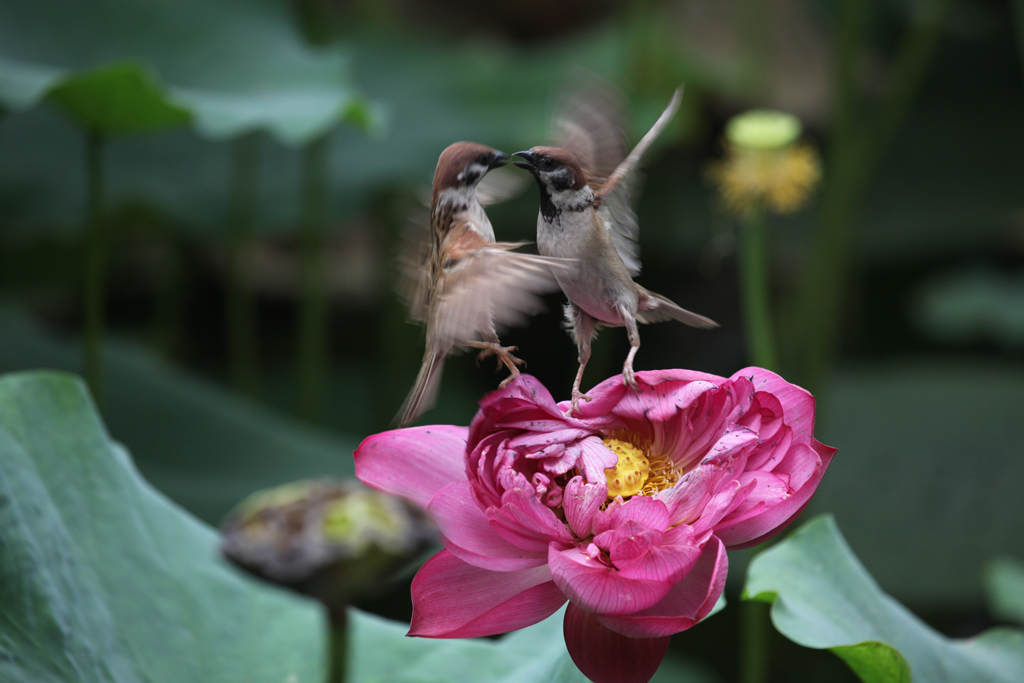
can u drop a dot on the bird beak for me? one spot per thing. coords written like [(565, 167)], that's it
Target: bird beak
[(527, 155), (500, 159)]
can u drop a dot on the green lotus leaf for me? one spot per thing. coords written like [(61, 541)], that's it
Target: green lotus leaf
[(119, 98), (824, 598), (104, 579), (233, 66), (196, 442), (1005, 581)]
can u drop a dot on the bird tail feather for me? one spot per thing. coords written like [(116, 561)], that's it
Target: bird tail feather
[(656, 308), (424, 392)]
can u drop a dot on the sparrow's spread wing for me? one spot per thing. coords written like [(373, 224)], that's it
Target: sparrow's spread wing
[(483, 286), (613, 197), (620, 219), (589, 123), (590, 126), (628, 165), (500, 185), (413, 262)]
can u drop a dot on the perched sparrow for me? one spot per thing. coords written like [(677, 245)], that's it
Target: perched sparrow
[(465, 285), (587, 217)]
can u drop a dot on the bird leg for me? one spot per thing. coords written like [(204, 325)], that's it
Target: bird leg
[(629, 319), (581, 326), (503, 354), (576, 394)]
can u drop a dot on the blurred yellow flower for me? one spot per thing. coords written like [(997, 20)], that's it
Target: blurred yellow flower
[(765, 166)]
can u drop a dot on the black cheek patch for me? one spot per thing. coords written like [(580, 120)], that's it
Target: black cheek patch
[(561, 180), (469, 177)]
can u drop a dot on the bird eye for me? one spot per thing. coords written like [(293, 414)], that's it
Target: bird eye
[(547, 164), (483, 160)]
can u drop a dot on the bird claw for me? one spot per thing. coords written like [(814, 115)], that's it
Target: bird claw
[(508, 380), (503, 354), (575, 405), (505, 357), (629, 377)]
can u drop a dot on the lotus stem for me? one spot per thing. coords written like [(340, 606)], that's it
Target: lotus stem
[(243, 350), (313, 307), (754, 661), (170, 304), (760, 332), (338, 646), (96, 264), (756, 290)]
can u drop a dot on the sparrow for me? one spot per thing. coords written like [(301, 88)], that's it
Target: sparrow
[(585, 215), (465, 285)]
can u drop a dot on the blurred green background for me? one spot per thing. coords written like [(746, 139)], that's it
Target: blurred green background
[(236, 175)]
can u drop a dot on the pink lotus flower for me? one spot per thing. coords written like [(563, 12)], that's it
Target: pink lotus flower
[(625, 509)]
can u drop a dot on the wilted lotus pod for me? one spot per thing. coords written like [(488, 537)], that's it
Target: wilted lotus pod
[(766, 166), (330, 540)]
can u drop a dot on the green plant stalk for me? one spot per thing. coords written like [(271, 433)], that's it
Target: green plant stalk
[(855, 150), (338, 644), (242, 335), (169, 311), (754, 654), (313, 307), (95, 265), (756, 290)]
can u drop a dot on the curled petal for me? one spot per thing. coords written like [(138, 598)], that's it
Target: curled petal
[(453, 599), (687, 603), (660, 403), (725, 500), (524, 521), (598, 587), (603, 397), (581, 502), (797, 403), (732, 442), (537, 440), (648, 512), (665, 562), (594, 459), (745, 529), (413, 463), (605, 656), (469, 536), (771, 451)]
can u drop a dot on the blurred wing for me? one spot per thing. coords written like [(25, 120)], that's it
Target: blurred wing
[(622, 172), (500, 185), (620, 219), (489, 288), (589, 123), (413, 262), (613, 198)]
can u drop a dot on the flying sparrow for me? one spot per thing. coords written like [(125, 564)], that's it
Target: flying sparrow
[(464, 284), (585, 215)]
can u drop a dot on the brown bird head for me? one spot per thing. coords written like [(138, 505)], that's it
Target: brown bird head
[(554, 168), (464, 164)]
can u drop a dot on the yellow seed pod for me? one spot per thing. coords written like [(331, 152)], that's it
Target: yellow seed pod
[(630, 474)]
